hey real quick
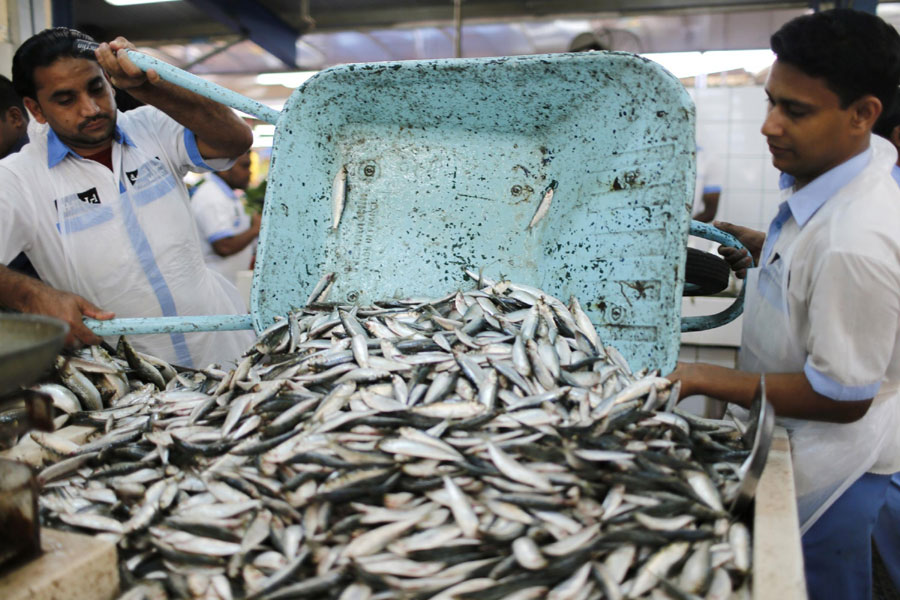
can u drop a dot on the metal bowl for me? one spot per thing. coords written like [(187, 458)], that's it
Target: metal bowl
[(28, 345)]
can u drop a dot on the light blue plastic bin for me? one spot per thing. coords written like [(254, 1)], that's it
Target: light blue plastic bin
[(447, 161)]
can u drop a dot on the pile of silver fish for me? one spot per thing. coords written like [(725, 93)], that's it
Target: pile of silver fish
[(484, 445)]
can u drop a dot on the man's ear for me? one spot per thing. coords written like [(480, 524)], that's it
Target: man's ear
[(865, 112), (15, 115), (35, 109)]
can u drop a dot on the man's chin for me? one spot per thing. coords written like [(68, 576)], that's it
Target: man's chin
[(781, 164), (97, 139)]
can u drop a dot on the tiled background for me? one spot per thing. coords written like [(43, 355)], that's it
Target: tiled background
[(728, 129)]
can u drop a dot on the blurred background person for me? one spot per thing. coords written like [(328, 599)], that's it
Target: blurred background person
[(227, 232), (708, 188), (887, 528), (13, 135), (13, 119)]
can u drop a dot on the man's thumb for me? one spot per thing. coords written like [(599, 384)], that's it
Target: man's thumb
[(90, 310), (726, 226)]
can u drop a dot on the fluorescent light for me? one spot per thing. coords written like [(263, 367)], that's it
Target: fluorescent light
[(289, 79), (690, 64), (263, 135), (679, 64), (133, 2)]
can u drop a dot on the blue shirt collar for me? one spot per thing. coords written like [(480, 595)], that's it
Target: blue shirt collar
[(57, 150), (805, 202)]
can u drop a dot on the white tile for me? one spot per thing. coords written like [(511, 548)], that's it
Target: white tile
[(741, 207), (771, 176), (748, 104), (744, 138), (713, 104), (713, 138), (744, 174), (725, 357), (687, 354)]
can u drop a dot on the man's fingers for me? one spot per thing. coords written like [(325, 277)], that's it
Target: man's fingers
[(95, 312), (84, 335), (121, 43), (728, 227), (128, 68), (105, 56), (732, 254)]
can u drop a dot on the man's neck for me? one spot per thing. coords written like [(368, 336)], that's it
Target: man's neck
[(19, 143), (802, 181), (86, 152)]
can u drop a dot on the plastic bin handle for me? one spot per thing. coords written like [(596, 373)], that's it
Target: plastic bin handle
[(205, 88), (134, 326), (731, 313), (198, 85)]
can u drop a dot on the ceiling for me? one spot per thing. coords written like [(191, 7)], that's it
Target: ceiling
[(191, 19), (312, 34), (232, 41)]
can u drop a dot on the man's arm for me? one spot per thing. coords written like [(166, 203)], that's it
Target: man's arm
[(710, 207), (29, 295), (219, 132), (790, 394), (236, 243)]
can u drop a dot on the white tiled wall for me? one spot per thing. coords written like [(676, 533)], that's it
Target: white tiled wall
[(728, 129)]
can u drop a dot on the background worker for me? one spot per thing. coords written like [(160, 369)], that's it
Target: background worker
[(887, 527), (888, 127), (822, 312), (707, 190), (98, 204), (13, 119), (227, 232), (13, 136)]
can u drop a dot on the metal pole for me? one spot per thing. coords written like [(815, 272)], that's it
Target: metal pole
[(457, 23), (204, 57)]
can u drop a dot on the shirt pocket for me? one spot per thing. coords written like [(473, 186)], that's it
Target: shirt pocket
[(770, 286), (150, 182), (80, 212)]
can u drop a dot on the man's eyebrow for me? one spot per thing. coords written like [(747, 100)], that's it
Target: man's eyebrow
[(66, 92), (60, 93), (788, 102)]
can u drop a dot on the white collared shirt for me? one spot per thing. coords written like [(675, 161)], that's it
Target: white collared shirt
[(220, 214), (124, 239), (843, 300)]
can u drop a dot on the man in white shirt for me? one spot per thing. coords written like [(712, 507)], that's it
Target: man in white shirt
[(97, 201), (227, 232), (887, 528), (822, 311), (708, 188)]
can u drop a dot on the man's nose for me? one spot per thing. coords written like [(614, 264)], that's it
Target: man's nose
[(771, 125), (88, 106)]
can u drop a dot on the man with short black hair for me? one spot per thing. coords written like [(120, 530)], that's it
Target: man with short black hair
[(822, 310), (98, 204), (13, 119), (13, 135), (227, 233)]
